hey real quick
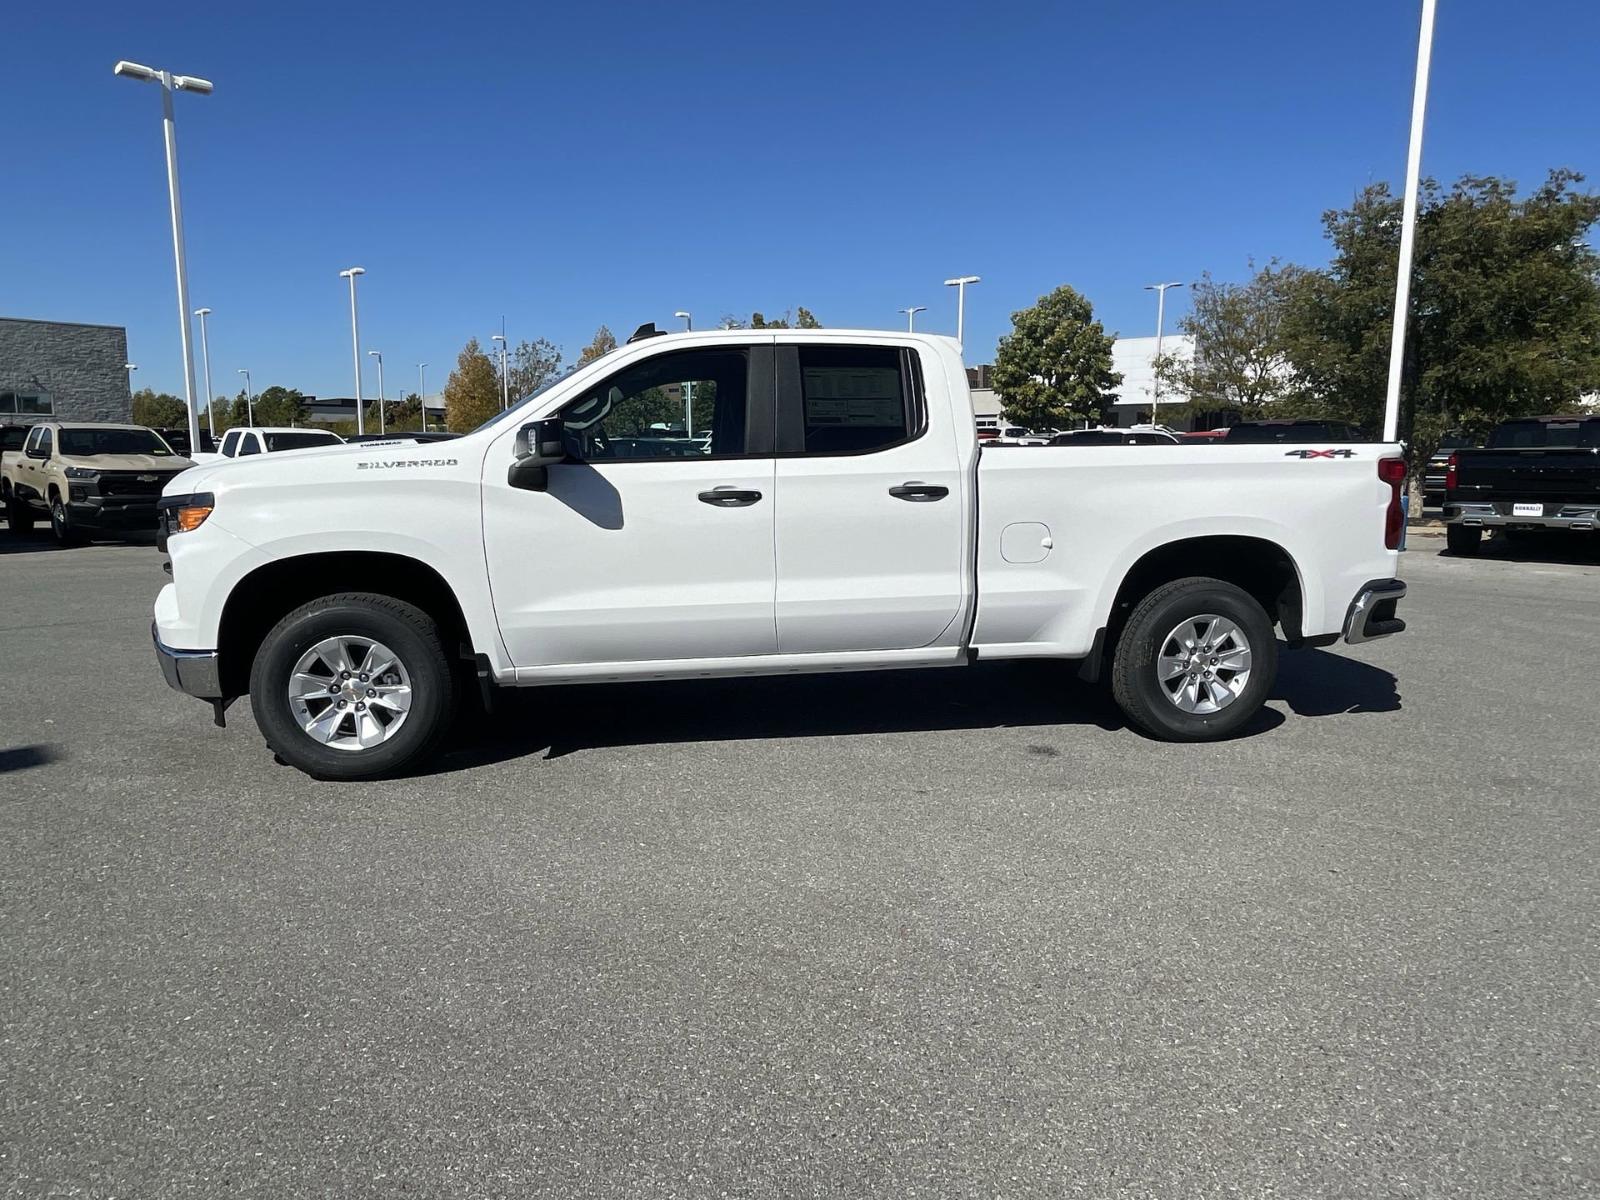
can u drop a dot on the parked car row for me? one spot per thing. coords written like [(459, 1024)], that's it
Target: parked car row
[(98, 477)]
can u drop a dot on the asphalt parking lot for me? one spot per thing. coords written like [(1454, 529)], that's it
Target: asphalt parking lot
[(940, 934)]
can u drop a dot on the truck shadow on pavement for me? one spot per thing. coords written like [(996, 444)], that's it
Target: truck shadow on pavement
[(1579, 549), (992, 696)]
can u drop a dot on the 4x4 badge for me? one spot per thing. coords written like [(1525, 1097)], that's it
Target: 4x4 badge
[(1319, 453)]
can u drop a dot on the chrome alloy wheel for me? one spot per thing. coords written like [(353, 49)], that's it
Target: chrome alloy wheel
[(350, 693), (1204, 664)]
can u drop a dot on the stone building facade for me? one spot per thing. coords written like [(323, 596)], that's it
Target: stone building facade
[(54, 369)]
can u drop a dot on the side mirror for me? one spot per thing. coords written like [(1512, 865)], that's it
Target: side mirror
[(539, 444)]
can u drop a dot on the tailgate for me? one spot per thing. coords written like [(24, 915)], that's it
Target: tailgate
[(1566, 474)]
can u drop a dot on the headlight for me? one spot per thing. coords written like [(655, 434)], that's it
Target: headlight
[(81, 473), (190, 516), (183, 513)]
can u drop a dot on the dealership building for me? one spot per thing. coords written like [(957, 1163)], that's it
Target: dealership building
[(62, 370)]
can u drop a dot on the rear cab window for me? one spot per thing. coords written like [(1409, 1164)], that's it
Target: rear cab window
[(848, 399)]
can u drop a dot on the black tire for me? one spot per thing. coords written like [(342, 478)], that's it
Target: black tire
[(1136, 684), (61, 523), (19, 517), (1463, 539), (406, 630)]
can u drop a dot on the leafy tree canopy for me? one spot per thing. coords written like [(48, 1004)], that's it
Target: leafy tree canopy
[(1505, 308), (472, 393), (1054, 367), (159, 410)]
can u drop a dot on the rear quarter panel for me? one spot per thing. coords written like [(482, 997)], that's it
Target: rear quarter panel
[(1103, 508)]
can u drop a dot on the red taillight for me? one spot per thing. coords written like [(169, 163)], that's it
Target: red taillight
[(1450, 474), (1393, 472)]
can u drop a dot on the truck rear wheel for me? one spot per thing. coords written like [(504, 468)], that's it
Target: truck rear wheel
[(1195, 661), (19, 517), (352, 686), (1463, 539)]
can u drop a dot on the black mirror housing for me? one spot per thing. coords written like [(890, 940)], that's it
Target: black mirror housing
[(539, 445)]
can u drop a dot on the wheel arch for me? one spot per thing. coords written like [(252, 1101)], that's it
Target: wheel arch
[(1260, 566), (266, 594)]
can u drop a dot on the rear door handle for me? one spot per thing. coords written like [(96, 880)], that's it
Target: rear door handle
[(729, 497), (919, 493)]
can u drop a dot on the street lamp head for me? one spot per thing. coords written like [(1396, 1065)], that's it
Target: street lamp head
[(130, 366), (202, 312), (1156, 287), (191, 83), (135, 70), (377, 354), (352, 272), (497, 337), (681, 314), (963, 279)]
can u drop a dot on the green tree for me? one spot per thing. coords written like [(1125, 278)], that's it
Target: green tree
[(1505, 308), (405, 413), (794, 318), (472, 393), (1241, 359), (603, 342), (1054, 367), (275, 405), (532, 365), (159, 410)]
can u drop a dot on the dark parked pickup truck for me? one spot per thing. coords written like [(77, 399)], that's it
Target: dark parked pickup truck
[(1533, 473)]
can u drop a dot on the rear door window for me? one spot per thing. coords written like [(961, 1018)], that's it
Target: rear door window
[(848, 399), (248, 444)]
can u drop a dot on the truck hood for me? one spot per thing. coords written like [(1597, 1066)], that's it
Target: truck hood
[(127, 462), (256, 468)]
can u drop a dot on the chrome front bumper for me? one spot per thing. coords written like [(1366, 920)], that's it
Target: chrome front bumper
[(193, 672), (1372, 613)]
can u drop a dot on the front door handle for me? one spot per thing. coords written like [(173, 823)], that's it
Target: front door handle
[(919, 493), (729, 497)]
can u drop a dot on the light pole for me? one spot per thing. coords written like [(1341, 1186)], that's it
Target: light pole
[(505, 380), (1408, 228), (422, 395), (960, 284), (911, 316), (205, 357), (249, 400), (688, 388), (350, 273), (1160, 289), (377, 354), (170, 83)]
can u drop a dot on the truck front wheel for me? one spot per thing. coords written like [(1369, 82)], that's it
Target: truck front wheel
[(352, 686), (1463, 539), (1195, 661)]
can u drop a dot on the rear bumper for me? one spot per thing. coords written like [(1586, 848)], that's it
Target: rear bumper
[(193, 672), (1372, 613), (1498, 514)]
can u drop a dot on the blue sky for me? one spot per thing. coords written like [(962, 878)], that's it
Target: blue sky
[(568, 165)]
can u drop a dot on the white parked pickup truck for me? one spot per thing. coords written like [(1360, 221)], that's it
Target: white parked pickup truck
[(752, 503)]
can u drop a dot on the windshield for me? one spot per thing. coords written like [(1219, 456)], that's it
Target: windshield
[(1522, 435), (299, 441), (87, 443)]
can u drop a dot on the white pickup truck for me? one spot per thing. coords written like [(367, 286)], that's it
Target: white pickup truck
[(754, 503)]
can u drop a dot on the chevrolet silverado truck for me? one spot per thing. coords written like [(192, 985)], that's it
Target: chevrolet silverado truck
[(1533, 473), (87, 478), (741, 502)]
